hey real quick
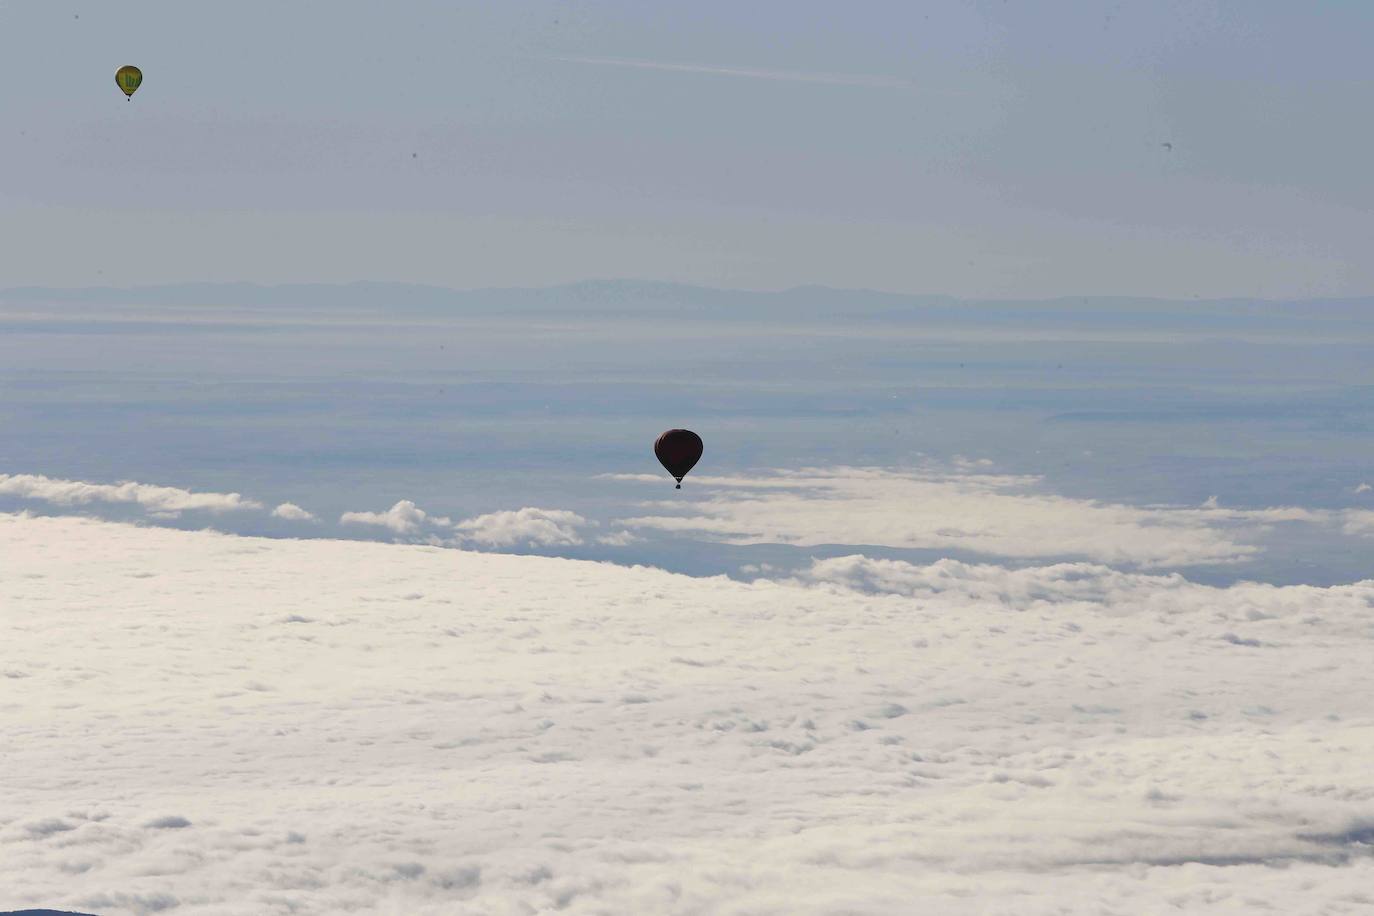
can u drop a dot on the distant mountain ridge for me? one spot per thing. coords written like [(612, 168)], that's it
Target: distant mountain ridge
[(371, 292), (591, 298)]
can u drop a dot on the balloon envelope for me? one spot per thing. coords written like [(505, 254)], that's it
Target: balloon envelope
[(128, 79), (678, 450)]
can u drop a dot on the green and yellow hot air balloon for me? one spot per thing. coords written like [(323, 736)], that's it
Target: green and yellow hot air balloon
[(128, 79)]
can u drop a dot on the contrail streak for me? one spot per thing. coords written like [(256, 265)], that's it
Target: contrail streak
[(833, 79)]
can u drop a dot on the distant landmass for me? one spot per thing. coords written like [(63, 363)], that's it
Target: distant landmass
[(603, 294), (644, 298)]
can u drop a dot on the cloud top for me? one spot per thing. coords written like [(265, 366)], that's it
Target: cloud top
[(293, 513), (531, 734), (403, 518), (535, 527), (152, 498), (529, 526), (963, 510)]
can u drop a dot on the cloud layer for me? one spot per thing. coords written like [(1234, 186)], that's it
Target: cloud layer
[(536, 527), (154, 499), (209, 723), (970, 510), (963, 509), (527, 527)]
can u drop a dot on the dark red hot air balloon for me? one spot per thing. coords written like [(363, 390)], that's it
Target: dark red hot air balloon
[(678, 450)]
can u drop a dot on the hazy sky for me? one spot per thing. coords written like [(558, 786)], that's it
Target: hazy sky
[(1001, 149)]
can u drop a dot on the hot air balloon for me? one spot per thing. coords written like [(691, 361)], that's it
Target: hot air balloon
[(678, 450), (128, 79)]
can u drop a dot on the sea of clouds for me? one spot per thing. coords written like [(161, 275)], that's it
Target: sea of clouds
[(964, 507), (198, 722)]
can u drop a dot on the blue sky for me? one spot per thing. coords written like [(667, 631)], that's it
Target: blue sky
[(975, 149)]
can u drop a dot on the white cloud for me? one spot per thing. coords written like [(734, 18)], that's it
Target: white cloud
[(964, 508), (528, 734), (403, 518), (1087, 586), (528, 526), (1358, 522), (535, 527), (292, 512), (159, 501), (984, 513)]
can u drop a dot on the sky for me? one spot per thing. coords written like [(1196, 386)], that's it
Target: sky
[(971, 149)]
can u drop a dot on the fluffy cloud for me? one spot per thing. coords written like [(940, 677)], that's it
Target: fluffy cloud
[(529, 734), (403, 518), (158, 500), (618, 539), (528, 526), (292, 512), (535, 527)]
